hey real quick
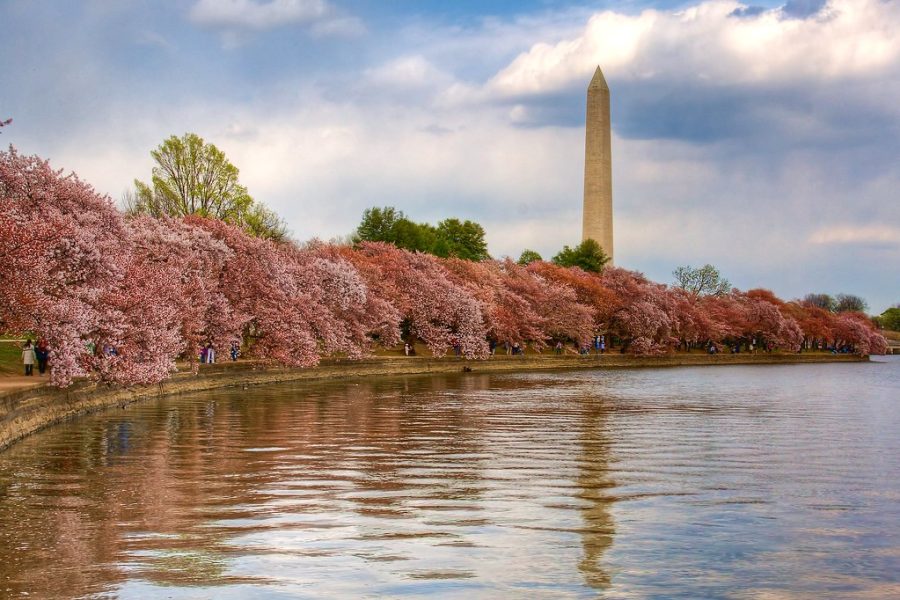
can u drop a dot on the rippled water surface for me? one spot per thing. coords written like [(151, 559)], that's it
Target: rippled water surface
[(733, 482)]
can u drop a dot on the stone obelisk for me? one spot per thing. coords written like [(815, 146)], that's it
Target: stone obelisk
[(597, 216)]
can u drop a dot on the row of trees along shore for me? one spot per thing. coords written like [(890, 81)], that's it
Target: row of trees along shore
[(156, 286)]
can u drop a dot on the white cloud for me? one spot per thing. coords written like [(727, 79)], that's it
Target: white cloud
[(708, 43), (413, 71), (250, 14), (861, 234)]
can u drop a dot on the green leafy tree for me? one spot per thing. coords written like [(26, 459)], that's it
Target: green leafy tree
[(390, 225), (462, 239), (890, 319), (588, 255), (379, 225), (528, 256), (452, 237), (850, 303), (264, 223), (418, 237), (702, 281), (192, 177)]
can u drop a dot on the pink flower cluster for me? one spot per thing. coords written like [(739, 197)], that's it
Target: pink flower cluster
[(120, 300)]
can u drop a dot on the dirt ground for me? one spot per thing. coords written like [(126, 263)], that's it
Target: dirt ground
[(17, 382)]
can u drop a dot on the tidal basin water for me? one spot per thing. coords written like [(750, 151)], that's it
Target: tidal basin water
[(710, 482)]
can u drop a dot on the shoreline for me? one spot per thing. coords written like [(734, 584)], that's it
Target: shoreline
[(29, 410)]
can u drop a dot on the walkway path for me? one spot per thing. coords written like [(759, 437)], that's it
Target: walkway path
[(18, 382)]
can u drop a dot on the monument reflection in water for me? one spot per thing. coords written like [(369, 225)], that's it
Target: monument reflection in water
[(741, 481)]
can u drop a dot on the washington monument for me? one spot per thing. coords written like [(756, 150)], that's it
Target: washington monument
[(597, 215)]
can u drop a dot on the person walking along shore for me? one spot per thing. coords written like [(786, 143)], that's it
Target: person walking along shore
[(28, 358)]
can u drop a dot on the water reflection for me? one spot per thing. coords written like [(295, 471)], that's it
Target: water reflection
[(684, 482), (594, 483)]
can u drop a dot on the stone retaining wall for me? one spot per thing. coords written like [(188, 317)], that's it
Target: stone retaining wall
[(26, 411)]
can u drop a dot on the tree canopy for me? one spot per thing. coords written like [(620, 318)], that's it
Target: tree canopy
[(890, 319), (462, 239), (702, 281), (588, 255), (451, 237), (823, 301), (839, 303), (193, 177), (850, 303), (379, 224), (528, 256)]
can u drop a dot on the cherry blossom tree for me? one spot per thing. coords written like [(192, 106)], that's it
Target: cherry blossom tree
[(588, 287), (645, 313), (62, 249), (855, 331), (438, 311), (764, 320), (260, 284), (508, 318), (190, 263), (349, 318), (556, 304), (815, 323)]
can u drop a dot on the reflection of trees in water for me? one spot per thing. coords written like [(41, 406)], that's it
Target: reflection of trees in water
[(594, 480), (397, 432), (143, 481)]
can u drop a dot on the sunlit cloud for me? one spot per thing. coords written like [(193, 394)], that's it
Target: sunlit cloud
[(412, 71), (867, 234), (708, 44)]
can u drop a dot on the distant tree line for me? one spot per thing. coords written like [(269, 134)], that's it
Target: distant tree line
[(452, 238), (449, 238)]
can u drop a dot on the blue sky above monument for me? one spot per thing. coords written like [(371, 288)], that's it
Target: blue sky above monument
[(758, 136)]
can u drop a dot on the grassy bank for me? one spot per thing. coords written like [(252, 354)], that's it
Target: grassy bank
[(10, 357)]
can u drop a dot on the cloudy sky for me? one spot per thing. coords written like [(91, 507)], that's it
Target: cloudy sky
[(762, 138)]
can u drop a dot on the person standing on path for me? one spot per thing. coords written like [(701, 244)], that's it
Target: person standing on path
[(28, 358), (41, 353)]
